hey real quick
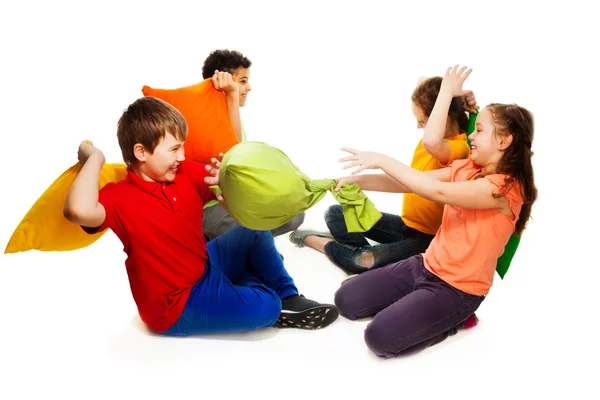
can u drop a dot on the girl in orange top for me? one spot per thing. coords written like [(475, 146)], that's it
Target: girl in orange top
[(418, 302)]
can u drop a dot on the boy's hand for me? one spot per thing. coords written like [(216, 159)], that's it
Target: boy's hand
[(469, 102), (453, 81), (224, 81), (214, 171), (87, 150), (361, 159), (341, 181)]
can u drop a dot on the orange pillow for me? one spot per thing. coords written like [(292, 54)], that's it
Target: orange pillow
[(205, 110)]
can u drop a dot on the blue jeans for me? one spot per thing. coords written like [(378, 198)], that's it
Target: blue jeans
[(397, 242), (413, 309), (241, 288)]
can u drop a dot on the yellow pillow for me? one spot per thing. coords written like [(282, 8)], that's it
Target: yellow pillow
[(45, 228)]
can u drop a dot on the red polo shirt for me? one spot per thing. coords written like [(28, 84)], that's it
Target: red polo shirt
[(160, 226)]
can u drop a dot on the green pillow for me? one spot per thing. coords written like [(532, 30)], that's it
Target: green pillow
[(263, 190), (511, 247)]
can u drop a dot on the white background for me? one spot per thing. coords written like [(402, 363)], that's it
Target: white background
[(324, 75)]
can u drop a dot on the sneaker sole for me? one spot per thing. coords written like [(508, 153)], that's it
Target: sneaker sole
[(310, 319)]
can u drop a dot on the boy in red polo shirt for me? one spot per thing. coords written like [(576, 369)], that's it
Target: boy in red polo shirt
[(182, 285)]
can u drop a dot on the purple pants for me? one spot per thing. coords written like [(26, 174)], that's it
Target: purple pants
[(413, 308)]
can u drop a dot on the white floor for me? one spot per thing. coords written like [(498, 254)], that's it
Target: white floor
[(324, 75)]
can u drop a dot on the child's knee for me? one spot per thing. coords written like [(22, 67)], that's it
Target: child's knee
[(270, 310), (254, 236), (334, 212), (297, 221), (377, 339), (334, 215), (365, 259), (345, 301)]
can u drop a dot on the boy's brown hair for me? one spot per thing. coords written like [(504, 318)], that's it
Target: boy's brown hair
[(146, 121)]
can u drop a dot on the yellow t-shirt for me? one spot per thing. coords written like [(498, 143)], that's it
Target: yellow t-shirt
[(422, 214)]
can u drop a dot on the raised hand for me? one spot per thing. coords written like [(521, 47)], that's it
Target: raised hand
[(470, 102), (454, 79), (86, 150), (214, 171), (361, 159), (224, 81)]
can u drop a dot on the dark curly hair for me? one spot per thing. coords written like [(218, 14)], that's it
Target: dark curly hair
[(425, 95), (224, 60), (516, 121)]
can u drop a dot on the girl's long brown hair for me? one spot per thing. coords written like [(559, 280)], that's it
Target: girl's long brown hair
[(516, 121)]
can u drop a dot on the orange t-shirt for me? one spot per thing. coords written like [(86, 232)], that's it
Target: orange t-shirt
[(422, 214), (466, 249)]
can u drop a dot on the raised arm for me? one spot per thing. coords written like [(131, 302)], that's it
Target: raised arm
[(81, 205), (224, 81), (433, 137)]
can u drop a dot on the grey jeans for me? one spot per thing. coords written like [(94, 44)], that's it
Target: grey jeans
[(216, 222)]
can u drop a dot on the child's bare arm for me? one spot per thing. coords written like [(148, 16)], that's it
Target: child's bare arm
[(433, 137), (476, 194), (81, 205), (373, 182), (385, 183), (224, 81)]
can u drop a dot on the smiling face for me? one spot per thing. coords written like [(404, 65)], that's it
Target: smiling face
[(486, 147), (242, 78), (161, 164)]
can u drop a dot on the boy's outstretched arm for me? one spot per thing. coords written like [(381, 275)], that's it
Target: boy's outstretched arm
[(81, 205), (433, 137)]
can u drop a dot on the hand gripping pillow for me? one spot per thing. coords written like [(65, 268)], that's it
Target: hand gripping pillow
[(45, 228), (263, 190)]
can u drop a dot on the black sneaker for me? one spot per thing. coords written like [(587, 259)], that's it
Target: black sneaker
[(300, 312)]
